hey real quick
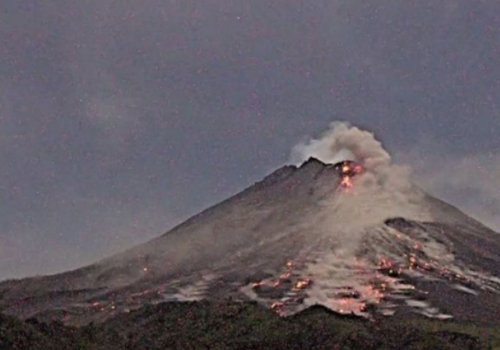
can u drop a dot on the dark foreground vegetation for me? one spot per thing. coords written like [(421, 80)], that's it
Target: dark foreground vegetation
[(203, 325)]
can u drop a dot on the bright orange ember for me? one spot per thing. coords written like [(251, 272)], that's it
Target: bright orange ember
[(302, 284), (346, 182), (347, 170)]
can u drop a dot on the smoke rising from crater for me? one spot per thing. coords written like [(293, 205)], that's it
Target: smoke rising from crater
[(343, 141), (384, 185)]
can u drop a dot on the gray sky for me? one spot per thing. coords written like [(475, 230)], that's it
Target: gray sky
[(119, 119)]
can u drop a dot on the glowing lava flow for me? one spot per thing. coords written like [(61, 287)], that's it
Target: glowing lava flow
[(346, 182), (287, 291), (347, 169)]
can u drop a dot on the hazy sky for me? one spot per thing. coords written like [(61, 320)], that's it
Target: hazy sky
[(119, 119)]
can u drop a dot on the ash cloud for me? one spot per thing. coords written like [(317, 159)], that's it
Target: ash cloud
[(384, 190), (342, 141), (469, 181)]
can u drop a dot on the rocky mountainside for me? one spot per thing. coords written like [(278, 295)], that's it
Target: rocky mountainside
[(376, 248)]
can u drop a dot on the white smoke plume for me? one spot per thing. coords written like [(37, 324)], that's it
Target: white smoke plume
[(382, 183), (343, 141)]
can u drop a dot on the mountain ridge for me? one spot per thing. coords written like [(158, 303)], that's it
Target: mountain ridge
[(289, 241)]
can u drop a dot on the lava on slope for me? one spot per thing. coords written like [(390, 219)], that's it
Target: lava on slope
[(289, 242), (348, 169)]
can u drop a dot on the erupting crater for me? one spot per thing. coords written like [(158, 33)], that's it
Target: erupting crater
[(347, 169)]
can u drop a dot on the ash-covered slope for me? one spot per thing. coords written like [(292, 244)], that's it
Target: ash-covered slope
[(295, 239), (360, 240)]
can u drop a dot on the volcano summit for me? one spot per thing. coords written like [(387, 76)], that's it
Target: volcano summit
[(378, 247)]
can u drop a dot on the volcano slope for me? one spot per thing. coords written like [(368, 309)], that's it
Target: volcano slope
[(381, 248)]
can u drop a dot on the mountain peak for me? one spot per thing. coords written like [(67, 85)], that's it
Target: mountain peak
[(312, 162), (295, 239)]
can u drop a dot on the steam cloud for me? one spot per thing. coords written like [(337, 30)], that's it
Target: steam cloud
[(384, 185), (449, 177), (343, 141)]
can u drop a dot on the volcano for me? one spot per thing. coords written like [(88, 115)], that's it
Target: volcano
[(295, 239)]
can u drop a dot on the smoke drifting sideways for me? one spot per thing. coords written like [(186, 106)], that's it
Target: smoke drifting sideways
[(384, 186), (344, 142)]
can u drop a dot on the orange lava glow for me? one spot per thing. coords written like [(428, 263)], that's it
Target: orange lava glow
[(348, 306), (373, 293), (358, 169), (346, 182), (302, 284), (347, 171), (386, 263)]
